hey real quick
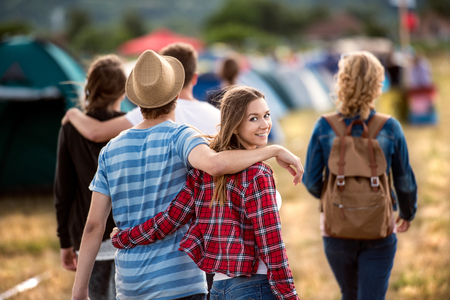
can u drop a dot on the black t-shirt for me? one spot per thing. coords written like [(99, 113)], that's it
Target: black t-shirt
[(75, 168)]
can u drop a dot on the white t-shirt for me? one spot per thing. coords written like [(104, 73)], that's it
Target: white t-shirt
[(198, 114)]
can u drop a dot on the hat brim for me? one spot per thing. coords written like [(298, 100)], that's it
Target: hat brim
[(174, 90)]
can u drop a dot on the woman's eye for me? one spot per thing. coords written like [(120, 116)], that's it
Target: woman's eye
[(267, 116), (253, 119)]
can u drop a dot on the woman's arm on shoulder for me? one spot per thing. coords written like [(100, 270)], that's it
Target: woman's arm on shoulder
[(93, 129), (233, 161), (179, 212)]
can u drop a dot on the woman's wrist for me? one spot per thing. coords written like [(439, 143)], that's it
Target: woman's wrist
[(277, 150)]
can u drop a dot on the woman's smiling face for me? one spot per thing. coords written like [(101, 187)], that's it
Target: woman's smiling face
[(255, 127)]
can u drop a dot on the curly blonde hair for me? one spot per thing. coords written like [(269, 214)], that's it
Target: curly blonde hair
[(358, 83)]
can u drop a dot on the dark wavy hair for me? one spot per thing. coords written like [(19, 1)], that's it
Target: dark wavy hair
[(105, 82)]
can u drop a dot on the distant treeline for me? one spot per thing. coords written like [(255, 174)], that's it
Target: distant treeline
[(92, 27)]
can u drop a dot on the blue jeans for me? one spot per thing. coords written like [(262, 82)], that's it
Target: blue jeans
[(194, 297), (242, 288), (361, 268)]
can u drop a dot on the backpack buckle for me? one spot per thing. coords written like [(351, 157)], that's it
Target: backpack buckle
[(340, 180), (374, 181)]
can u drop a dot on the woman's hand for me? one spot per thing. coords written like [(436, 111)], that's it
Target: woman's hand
[(68, 259), (290, 161), (404, 225), (66, 118), (114, 232)]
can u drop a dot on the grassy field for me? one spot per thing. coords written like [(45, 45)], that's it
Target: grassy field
[(29, 246)]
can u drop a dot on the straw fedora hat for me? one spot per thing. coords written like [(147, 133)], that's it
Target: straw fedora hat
[(155, 80)]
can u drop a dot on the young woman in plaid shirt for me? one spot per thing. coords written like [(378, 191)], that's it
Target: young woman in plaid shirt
[(235, 229)]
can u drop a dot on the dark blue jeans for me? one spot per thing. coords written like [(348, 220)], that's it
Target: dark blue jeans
[(242, 288), (194, 297), (361, 268)]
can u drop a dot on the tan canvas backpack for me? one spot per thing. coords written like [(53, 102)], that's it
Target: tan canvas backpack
[(356, 200)]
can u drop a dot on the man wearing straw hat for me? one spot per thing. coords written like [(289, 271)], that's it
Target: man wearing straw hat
[(189, 110), (140, 172)]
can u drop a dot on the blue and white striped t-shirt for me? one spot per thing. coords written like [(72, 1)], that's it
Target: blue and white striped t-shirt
[(142, 170)]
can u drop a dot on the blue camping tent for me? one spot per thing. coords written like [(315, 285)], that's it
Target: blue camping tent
[(36, 87), (305, 88)]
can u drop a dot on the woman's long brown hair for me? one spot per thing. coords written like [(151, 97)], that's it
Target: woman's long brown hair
[(105, 82), (233, 108)]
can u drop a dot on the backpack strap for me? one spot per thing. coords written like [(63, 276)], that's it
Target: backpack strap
[(338, 125), (336, 122), (376, 123)]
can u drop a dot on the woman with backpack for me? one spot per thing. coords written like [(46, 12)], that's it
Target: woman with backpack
[(235, 229), (361, 263)]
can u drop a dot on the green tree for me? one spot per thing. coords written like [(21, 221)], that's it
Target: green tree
[(240, 35), (260, 20), (91, 41), (14, 28), (440, 6), (318, 13), (133, 23), (372, 26), (77, 20)]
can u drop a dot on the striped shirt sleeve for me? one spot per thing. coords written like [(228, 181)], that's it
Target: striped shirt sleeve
[(100, 182)]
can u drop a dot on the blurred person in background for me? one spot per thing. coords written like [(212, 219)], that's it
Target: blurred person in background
[(362, 267), (421, 92), (228, 73), (394, 69), (419, 75), (189, 110), (235, 213), (141, 171), (75, 168)]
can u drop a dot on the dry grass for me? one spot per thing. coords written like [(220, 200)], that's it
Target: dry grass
[(29, 246)]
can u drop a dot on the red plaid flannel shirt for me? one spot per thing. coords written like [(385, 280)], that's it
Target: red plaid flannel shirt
[(227, 239)]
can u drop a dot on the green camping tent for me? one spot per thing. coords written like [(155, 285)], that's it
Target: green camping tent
[(36, 87)]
